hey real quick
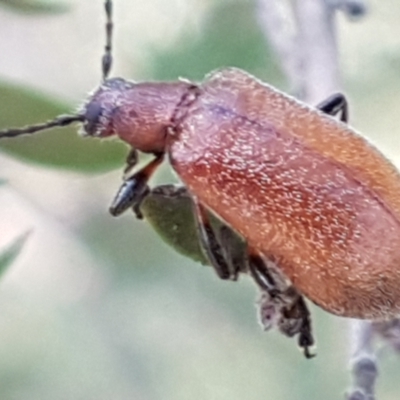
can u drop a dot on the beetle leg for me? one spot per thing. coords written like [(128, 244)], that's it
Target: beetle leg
[(135, 189), (131, 161), (229, 244), (261, 275), (296, 319), (284, 307), (289, 313), (210, 244), (306, 339), (334, 105)]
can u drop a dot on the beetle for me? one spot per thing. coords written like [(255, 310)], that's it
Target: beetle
[(317, 205)]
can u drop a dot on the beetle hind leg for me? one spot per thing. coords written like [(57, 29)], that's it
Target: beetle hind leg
[(281, 305), (298, 312)]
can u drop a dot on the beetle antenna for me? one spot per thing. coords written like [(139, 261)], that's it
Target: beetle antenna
[(62, 120), (107, 57)]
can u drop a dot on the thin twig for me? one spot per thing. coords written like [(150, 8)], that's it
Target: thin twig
[(353, 8), (389, 331), (277, 24), (304, 40), (363, 361), (317, 41)]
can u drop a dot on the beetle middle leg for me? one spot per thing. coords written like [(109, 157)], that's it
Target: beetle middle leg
[(281, 305), (218, 254), (134, 189), (335, 104)]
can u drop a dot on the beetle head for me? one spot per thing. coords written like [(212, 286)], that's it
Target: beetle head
[(139, 113), (99, 109)]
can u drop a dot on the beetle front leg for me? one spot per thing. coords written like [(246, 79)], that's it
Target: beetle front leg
[(135, 189), (131, 161), (334, 105), (212, 248)]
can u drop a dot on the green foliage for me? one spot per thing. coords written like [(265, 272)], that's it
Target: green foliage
[(169, 210), (36, 6), (172, 218)]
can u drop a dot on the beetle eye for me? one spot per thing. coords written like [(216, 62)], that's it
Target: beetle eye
[(93, 113)]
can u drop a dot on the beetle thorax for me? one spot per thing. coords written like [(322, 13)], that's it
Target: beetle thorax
[(139, 113)]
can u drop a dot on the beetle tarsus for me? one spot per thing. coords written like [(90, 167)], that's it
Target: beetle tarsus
[(336, 104), (136, 208), (306, 339)]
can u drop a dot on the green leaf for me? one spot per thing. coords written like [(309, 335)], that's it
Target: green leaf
[(37, 6), (169, 211), (60, 147), (10, 253)]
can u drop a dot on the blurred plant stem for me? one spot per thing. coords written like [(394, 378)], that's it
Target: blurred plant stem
[(363, 361), (303, 35)]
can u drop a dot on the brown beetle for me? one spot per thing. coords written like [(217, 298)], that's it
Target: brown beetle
[(317, 205)]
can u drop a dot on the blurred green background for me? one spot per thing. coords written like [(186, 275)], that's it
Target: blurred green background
[(95, 307)]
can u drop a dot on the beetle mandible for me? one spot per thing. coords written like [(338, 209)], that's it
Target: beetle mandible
[(317, 205)]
